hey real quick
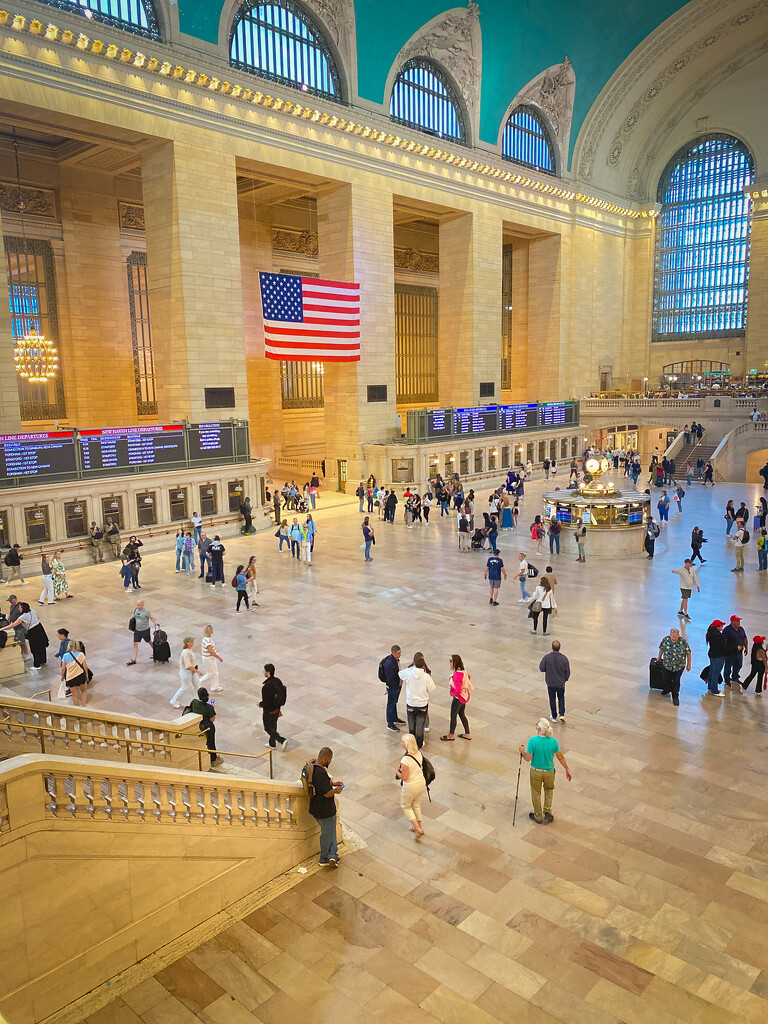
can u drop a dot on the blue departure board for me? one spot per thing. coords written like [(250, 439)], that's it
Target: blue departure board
[(210, 441), (440, 423), (125, 447), (482, 419), (37, 455), (518, 417), (552, 414)]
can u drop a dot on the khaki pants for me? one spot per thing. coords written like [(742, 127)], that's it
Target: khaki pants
[(464, 542), (739, 556), (541, 778)]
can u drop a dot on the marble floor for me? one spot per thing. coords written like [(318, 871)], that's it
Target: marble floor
[(645, 902)]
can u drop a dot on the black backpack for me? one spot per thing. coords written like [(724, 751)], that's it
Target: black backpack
[(745, 538), (283, 695), (427, 769), (6, 559), (533, 572), (382, 672)]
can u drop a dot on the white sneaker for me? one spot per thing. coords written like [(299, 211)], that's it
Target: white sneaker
[(522, 600)]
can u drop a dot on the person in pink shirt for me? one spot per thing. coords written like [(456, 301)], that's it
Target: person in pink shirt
[(461, 690)]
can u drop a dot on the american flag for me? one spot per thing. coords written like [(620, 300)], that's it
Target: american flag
[(309, 319)]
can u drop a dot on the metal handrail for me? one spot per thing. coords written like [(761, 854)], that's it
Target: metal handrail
[(95, 737), (41, 692)]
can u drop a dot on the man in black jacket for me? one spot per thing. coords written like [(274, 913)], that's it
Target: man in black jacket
[(216, 554), (13, 561), (720, 648), (273, 698), (391, 668)]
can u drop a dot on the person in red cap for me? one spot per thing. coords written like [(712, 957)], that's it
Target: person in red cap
[(735, 632), (719, 650), (759, 665)]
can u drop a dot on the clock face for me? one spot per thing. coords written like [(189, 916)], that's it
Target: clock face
[(593, 465), (604, 464)]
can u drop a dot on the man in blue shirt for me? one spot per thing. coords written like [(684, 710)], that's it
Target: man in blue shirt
[(494, 570), (391, 672)]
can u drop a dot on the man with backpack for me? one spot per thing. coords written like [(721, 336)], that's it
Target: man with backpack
[(13, 561), (97, 542), (322, 804), (652, 531), (273, 698), (389, 669), (247, 513), (740, 540)]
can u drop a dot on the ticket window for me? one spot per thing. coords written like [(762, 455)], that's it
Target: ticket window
[(493, 456), (262, 491), (553, 451), (112, 508), (4, 529), (478, 460), (178, 500), (564, 448), (208, 505), (146, 508), (574, 447), (505, 456), (542, 451), (463, 464), (529, 451), (236, 495), (450, 465), (76, 518), (37, 523)]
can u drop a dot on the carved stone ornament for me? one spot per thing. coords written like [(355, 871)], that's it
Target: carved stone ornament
[(338, 18), (416, 260), (454, 41), (131, 216), (301, 243), (552, 91), (38, 202)]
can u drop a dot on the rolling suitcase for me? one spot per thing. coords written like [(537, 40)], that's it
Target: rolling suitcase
[(161, 649), (659, 679), (209, 577)]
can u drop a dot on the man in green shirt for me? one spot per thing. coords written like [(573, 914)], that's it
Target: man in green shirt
[(675, 655), (541, 751)]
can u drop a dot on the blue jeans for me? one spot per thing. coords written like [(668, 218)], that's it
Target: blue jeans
[(762, 559), (393, 695), (179, 556), (368, 550), (417, 719), (313, 499), (554, 542), (361, 503), (729, 526), (733, 667), (716, 666), (663, 513), (283, 540), (217, 571), (328, 845), (204, 561), (198, 531), (295, 548), (444, 509), (188, 561), (523, 592)]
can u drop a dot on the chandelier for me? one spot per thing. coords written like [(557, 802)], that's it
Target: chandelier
[(36, 358)]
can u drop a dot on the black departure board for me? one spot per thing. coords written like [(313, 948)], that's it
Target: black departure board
[(552, 414), (440, 423), (518, 417), (37, 455), (482, 419), (210, 442), (125, 447)]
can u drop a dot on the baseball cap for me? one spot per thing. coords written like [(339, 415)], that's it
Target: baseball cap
[(735, 618), (758, 639), (718, 623), (12, 597)]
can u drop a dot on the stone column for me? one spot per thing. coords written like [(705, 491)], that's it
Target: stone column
[(10, 410), (545, 322), (756, 341), (469, 333), (264, 401), (193, 264), (95, 314), (355, 238)]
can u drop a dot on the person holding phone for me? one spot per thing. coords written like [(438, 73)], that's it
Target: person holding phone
[(322, 805), (202, 705)]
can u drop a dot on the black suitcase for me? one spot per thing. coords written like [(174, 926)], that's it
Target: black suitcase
[(161, 649), (209, 577), (659, 678)]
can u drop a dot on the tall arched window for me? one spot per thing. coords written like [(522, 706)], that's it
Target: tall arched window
[(527, 140), (424, 98), (702, 242), (133, 15), (280, 41)]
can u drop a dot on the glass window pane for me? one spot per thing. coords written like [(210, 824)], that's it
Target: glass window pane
[(134, 15), (527, 140), (423, 98)]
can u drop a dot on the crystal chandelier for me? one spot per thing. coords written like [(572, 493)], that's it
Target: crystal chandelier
[(36, 358)]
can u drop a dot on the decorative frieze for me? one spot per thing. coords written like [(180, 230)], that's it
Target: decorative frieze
[(38, 202), (417, 260), (298, 243), (131, 216)]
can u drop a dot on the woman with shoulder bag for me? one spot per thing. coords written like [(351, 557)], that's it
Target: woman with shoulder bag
[(460, 690), (250, 581), (74, 672), (410, 775), (543, 602)]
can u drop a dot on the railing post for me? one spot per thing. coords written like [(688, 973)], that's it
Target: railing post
[(42, 741), (128, 750), (270, 764)]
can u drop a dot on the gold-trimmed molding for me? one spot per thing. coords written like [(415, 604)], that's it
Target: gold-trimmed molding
[(131, 216), (50, 33), (25, 199)]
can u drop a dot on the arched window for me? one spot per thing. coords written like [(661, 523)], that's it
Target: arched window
[(527, 140), (424, 98), (702, 242), (280, 41), (133, 15)]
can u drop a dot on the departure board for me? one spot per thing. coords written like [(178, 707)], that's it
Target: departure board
[(552, 414), (518, 417), (482, 419), (125, 447), (440, 423), (210, 441), (37, 455)]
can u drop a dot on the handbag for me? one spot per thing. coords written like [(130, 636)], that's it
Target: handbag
[(534, 606), (132, 624)]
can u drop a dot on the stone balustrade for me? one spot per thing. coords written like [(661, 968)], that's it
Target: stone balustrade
[(40, 727), (163, 851)]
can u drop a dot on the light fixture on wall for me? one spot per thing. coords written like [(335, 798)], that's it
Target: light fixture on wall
[(36, 358)]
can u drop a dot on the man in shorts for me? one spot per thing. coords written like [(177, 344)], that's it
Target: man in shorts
[(141, 632), (494, 570), (689, 579)]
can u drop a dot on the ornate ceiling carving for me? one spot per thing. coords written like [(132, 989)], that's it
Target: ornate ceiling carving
[(38, 202)]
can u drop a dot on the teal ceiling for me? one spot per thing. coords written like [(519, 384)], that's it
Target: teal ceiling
[(520, 39)]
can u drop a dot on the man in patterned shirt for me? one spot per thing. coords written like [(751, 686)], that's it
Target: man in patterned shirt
[(675, 655)]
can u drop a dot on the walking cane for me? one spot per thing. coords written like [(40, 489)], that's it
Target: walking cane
[(519, 768)]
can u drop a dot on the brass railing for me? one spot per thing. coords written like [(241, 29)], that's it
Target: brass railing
[(40, 731)]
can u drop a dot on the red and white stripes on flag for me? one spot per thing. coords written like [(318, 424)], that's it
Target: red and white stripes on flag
[(308, 319)]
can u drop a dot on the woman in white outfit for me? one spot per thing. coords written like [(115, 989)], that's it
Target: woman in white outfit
[(545, 595), (47, 590), (413, 786), (187, 671), (211, 659)]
